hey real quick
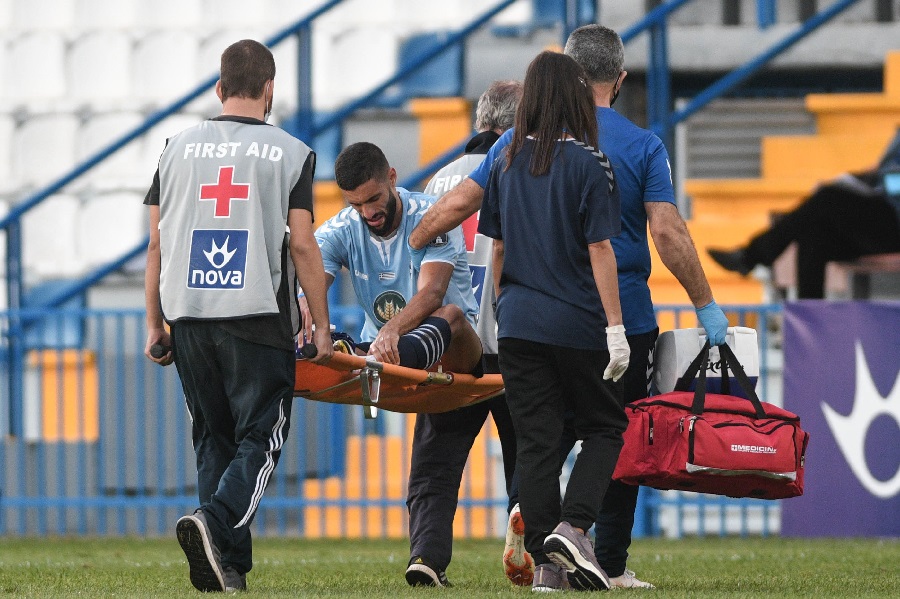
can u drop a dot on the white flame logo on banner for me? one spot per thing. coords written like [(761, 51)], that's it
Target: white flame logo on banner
[(850, 431)]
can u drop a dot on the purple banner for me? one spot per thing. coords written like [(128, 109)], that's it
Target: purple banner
[(842, 377)]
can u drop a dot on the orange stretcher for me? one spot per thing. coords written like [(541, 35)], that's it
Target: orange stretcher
[(358, 380)]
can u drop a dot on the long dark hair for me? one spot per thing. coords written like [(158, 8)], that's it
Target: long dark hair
[(556, 101)]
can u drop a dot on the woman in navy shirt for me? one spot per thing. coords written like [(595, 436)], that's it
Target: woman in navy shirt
[(552, 205)]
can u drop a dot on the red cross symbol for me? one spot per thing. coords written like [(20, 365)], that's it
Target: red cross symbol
[(224, 191)]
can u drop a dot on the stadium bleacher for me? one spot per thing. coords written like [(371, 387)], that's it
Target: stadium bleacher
[(75, 74)]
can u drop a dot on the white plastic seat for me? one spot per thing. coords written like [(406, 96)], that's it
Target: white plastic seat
[(171, 14), (7, 129), (105, 14), (5, 81), (359, 71), (286, 78), (228, 13), (350, 15), (36, 68), (30, 15), (164, 66), (118, 219), (154, 142), (44, 148), (49, 238), (5, 16), (99, 66), (436, 15), (124, 168)]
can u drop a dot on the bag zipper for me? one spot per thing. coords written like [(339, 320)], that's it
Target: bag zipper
[(757, 429), (691, 438)]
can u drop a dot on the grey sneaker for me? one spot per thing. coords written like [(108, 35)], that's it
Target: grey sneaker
[(421, 572), (628, 580), (204, 558), (234, 582), (572, 550), (549, 578)]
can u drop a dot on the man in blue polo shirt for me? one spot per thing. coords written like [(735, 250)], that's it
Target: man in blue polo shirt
[(643, 174)]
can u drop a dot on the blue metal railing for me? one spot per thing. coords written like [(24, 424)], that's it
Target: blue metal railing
[(106, 449), (302, 29)]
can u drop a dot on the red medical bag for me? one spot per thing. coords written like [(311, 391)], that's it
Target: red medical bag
[(713, 443)]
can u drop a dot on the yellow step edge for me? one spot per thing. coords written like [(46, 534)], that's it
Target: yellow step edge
[(822, 156), (892, 74), (443, 123)]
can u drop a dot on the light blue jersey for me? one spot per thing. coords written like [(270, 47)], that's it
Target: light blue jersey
[(381, 268)]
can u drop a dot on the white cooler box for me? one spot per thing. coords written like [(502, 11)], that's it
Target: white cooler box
[(675, 350)]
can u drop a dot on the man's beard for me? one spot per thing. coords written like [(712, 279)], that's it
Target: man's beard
[(389, 215)]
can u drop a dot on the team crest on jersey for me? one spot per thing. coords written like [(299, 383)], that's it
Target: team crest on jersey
[(218, 259), (387, 305), (439, 241)]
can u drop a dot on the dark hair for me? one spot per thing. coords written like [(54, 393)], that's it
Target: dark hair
[(599, 51), (245, 67), (556, 101), (358, 163)]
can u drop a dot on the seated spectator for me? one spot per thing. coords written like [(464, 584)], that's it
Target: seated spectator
[(843, 219)]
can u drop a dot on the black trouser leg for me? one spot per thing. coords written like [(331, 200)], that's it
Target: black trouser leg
[(441, 444), (542, 381), (245, 427), (506, 432), (612, 531)]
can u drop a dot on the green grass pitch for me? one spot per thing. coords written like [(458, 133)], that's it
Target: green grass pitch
[(291, 568)]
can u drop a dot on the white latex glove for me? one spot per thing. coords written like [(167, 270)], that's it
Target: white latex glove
[(619, 352)]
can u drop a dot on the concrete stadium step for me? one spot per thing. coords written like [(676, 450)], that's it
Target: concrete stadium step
[(723, 139)]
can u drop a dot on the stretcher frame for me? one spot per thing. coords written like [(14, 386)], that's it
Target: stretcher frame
[(363, 381)]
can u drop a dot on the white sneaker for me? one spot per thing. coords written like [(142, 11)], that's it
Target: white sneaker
[(629, 581), (517, 562)]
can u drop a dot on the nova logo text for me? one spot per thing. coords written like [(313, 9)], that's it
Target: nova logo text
[(218, 259)]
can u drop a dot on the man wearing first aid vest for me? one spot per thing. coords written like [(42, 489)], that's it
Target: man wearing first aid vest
[(220, 273)]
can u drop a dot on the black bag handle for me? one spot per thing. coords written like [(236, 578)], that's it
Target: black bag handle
[(726, 380), (728, 359)]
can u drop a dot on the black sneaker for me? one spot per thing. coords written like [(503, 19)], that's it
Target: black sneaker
[(735, 260), (421, 572), (572, 550), (234, 582), (204, 558)]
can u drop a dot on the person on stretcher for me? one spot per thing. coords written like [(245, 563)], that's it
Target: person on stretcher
[(419, 309)]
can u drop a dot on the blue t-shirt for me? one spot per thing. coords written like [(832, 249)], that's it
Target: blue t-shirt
[(380, 267), (548, 292), (643, 174)]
